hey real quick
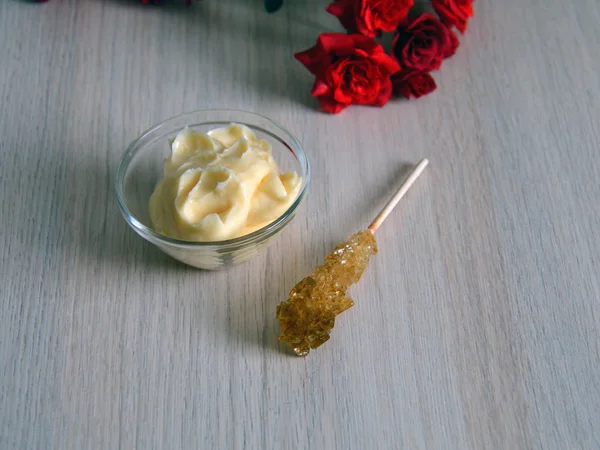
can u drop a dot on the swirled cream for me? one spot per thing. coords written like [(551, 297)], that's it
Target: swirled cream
[(220, 185)]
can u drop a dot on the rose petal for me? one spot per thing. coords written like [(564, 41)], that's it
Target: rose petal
[(385, 93), (313, 58), (336, 42), (319, 88), (454, 12), (331, 106)]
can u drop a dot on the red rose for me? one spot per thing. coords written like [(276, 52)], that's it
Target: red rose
[(424, 44), (370, 17), (413, 84), (349, 69), (454, 12)]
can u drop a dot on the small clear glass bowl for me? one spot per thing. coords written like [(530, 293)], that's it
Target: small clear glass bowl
[(141, 169)]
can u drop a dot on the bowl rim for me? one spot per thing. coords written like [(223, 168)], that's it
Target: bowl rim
[(268, 230)]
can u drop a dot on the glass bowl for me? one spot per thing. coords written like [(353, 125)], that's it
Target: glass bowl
[(141, 169)]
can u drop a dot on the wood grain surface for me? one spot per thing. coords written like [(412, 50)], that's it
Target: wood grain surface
[(477, 325)]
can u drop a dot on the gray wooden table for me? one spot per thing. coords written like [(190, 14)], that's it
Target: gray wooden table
[(475, 327)]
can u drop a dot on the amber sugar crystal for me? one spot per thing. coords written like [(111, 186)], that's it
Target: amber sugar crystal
[(308, 315)]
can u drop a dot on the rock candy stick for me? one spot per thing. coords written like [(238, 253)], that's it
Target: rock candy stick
[(308, 316)]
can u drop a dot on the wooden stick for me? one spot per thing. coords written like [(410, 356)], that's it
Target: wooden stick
[(387, 209)]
